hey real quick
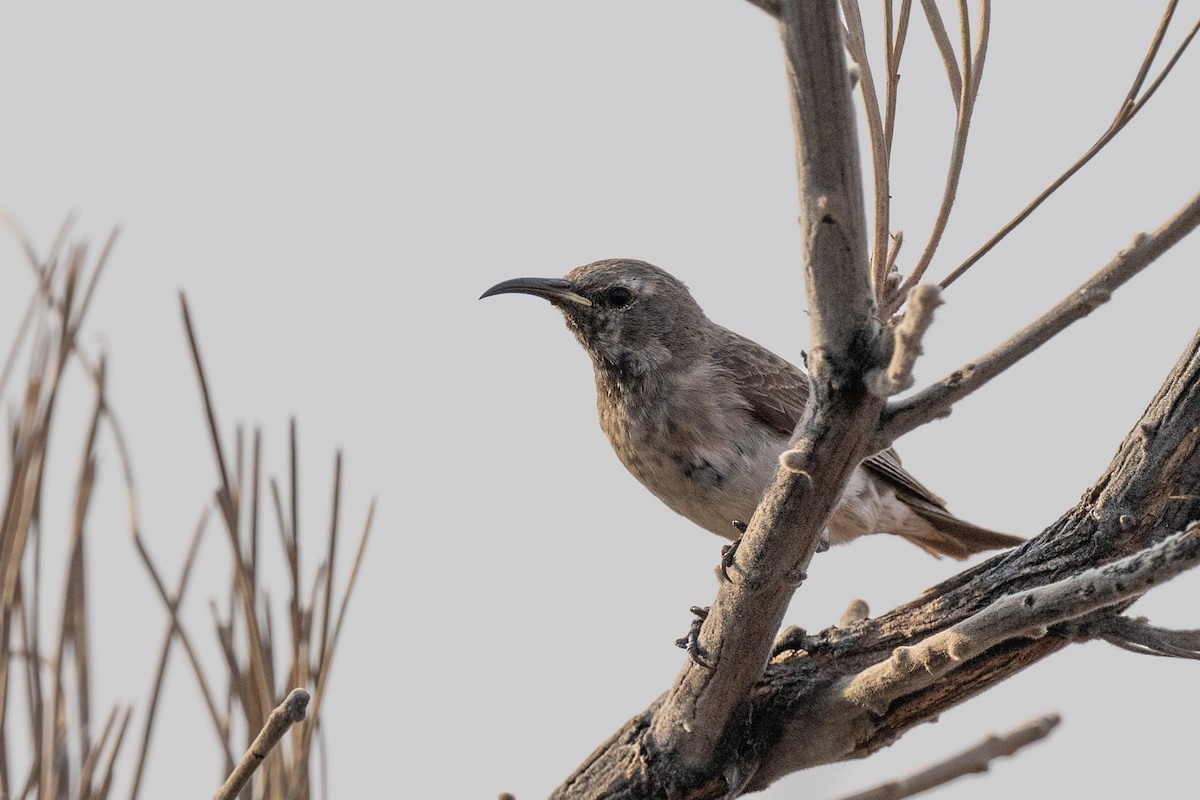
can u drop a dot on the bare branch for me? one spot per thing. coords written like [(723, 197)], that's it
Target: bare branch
[(942, 39), (974, 760), (972, 73), (922, 300), (1151, 54), (697, 713), (936, 401), (857, 46), (286, 714), (1139, 636), (894, 51), (1125, 113), (1162, 76), (1027, 614)]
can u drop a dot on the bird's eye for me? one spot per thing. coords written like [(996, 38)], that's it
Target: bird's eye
[(618, 297)]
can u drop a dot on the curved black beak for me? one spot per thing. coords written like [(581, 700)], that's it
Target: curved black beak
[(549, 288)]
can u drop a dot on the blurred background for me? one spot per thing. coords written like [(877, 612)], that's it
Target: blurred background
[(333, 187)]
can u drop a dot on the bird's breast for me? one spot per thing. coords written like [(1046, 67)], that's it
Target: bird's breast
[(695, 449)]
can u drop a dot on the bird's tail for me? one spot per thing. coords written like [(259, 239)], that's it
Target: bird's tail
[(947, 535)]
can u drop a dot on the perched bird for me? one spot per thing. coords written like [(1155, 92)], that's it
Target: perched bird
[(700, 414)]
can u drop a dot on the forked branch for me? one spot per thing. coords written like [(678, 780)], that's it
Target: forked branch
[(937, 400), (1029, 614), (705, 706), (1133, 102)]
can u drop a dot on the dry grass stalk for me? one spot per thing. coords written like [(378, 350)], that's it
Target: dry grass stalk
[(47, 686), (51, 682)]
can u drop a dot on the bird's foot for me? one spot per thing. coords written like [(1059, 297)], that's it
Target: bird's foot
[(823, 542), (729, 551), (691, 642)]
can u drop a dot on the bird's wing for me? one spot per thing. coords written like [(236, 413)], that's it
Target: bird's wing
[(775, 391), (887, 464)]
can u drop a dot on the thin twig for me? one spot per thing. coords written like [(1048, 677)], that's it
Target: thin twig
[(974, 760), (937, 400), (1125, 113), (894, 51), (286, 714), (1139, 636), (857, 45), (972, 72), (942, 39)]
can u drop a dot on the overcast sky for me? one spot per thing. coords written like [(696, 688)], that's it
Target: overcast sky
[(334, 185)]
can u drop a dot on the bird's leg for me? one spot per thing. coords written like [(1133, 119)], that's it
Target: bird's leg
[(691, 642), (729, 551), (823, 542)]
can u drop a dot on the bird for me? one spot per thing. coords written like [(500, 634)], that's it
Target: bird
[(700, 414)]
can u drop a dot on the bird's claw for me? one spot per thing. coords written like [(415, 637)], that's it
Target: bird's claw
[(729, 551), (691, 642)]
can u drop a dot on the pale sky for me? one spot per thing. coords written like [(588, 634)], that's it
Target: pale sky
[(333, 187)]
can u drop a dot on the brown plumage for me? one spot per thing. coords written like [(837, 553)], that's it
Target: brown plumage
[(700, 414)]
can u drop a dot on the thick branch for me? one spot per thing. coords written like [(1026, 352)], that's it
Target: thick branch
[(704, 713), (799, 717), (1027, 614), (735, 727), (936, 401)]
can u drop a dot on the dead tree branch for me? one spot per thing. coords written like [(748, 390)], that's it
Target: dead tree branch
[(1132, 103), (751, 716), (937, 400), (706, 708), (972, 761), (285, 715)]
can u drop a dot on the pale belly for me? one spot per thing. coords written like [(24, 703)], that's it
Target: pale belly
[(716, 484)]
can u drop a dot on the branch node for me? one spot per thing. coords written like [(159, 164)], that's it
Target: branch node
[(1094, 296), (906, 342), (797, 575), (793, 461), (856, 612)]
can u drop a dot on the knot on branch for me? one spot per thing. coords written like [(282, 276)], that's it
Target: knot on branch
[(1093, 297), (828, 211), (794, 460)]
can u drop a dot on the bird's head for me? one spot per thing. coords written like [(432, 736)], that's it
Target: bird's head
[(631, 317)]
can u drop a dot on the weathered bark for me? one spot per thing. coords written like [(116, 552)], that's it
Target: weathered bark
[(844, 693), (797, 717)]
